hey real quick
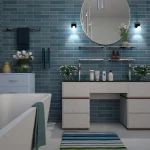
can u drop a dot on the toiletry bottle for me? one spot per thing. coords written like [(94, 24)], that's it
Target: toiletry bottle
[(91, 75), (97, 75), (104, 76), (113, 55), (117, 55), (110, 76)]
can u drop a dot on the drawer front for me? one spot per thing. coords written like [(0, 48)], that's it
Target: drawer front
[(72, 89), (98, 87), (14, 80), (76, 106), (117, 87), (139, 121), (139, 105), (5, 90), (139, 89), (75, 121)]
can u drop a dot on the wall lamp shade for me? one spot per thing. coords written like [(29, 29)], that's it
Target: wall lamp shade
[(137, 25), (73, 25)]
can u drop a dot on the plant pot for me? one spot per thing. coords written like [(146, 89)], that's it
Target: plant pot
[(125, 43), (24, 68)]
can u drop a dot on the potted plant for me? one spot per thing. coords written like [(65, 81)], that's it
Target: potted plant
[(124, 34), (23, 61), (68, 71), (141, 71)]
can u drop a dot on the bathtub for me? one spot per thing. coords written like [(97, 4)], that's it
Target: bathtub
[(17, 118)]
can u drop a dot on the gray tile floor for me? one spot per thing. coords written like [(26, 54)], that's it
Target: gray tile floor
[(133, 140)]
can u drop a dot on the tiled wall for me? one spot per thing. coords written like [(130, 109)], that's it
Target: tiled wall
[(105, 110), (54, 17), (1, 21)]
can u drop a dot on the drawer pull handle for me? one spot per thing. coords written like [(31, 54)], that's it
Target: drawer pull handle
[(13, 81)]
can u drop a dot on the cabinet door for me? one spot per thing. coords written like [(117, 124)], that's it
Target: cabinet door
[(117, 87), (14, 80), (141, 121), (6, 90), (76, 106), (75, 121), (139, 105), (138, 89), (99, 87), (75, 89)]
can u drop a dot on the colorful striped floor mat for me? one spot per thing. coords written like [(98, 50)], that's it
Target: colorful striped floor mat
[(91, 141)]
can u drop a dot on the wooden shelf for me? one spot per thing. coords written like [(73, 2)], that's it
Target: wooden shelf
[(122, 59), (91, 47), (91, 59), (121, 47)]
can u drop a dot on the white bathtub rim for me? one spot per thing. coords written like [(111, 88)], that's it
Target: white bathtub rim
[(8, 127), (18, 119)]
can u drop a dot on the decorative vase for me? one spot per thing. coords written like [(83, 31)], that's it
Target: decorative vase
[(125, 43), (6, 68), (142, 78), (68, 77), (24, 68)]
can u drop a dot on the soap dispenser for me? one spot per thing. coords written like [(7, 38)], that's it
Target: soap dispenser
[(110, 76)]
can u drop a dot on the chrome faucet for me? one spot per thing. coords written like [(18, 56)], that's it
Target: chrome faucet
[(130, 70)]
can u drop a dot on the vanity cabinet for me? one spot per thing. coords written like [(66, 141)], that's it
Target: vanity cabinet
[(17, 83), (75, 106), (134, 103)]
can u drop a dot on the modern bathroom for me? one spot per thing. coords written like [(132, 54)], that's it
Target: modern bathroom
[(74, 74)]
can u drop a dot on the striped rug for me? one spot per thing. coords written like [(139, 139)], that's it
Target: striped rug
[(91, 141)]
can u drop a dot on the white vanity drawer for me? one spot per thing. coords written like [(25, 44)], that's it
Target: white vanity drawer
[(76, 106), (14, 80), (117, 87), (139, 121), (99, 87), (75, 89), (76, 121), (137, 89), (5, 90), (139, 105)]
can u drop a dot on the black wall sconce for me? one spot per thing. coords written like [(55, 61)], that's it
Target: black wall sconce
[(137, 25), (73, 25)]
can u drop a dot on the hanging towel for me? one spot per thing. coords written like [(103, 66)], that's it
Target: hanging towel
[(23, 38), (39, 137)]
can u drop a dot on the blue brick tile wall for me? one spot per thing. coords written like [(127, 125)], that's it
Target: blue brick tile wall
[(105, 110), (1, 26), (54, 17)]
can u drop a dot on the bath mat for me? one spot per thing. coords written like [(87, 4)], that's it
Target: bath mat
[(91, 141)]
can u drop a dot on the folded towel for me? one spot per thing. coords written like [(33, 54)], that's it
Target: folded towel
[(39, 138), (23, 38)]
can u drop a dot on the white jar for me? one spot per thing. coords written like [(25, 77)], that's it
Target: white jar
[(110, 76), (97, 75), (91, 75), (104, 76)]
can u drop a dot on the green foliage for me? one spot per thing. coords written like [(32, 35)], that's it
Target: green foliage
[(141, 70)]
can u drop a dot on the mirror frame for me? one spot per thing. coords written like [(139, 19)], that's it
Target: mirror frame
[(120, 24)]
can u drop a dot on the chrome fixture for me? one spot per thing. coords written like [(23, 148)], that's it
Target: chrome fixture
[(100, 4)]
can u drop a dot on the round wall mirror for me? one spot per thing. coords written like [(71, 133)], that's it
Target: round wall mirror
[(100, 19)]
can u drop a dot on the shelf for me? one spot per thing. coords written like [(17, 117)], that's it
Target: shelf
[(122, 59), (121, 47), (91, 59), (91, 46)]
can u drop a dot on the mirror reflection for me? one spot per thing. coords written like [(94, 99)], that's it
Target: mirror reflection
[(100, 19)]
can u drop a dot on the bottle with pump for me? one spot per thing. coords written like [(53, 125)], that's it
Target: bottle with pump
[(110, 76)]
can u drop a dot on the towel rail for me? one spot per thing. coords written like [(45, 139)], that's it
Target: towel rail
[(14, 29)]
